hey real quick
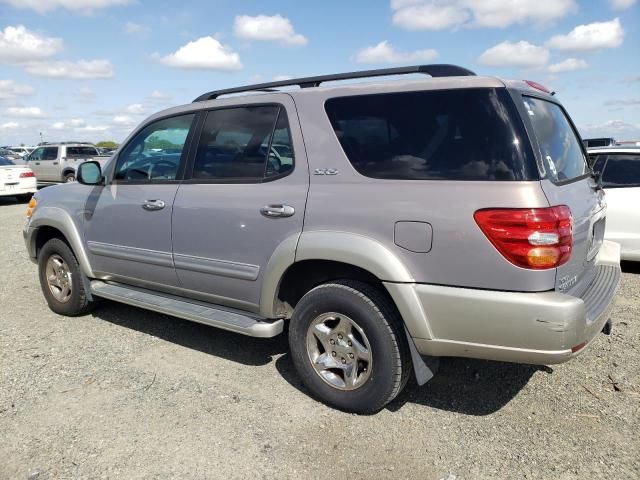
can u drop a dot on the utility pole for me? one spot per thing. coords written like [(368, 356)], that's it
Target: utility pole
[(40, 137)]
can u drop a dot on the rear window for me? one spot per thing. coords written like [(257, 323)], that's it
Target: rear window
[(562, 154), (471, 134)]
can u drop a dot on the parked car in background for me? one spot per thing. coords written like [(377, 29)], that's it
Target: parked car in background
[(8, 154), (16, 180), (618, 169), (57, 162), (22, 151), (448, 216), (598, 142)]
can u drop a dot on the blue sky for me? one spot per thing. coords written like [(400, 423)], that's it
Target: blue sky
[(93, 69)]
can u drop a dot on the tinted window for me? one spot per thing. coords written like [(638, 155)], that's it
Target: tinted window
[(471, 134), (81, 152), (154, 154), (597, 163), (235, 141), (622, 171), (559, 145)]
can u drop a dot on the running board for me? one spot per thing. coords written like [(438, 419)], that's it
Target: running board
[(218, 317)]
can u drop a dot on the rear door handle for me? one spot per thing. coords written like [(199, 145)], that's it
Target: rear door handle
[(152, 205), (277, 210)]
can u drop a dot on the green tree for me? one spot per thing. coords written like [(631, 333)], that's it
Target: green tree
[(107, 144)]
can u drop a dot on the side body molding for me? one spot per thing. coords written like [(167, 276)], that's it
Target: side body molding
[(60, 220)]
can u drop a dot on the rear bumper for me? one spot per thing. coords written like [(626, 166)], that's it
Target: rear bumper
[(537, 328)]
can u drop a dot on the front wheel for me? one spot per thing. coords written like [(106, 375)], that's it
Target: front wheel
[(348, 345), (61, 279)]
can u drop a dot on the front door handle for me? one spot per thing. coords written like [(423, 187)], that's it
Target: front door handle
[(152, 205), (278, 210)]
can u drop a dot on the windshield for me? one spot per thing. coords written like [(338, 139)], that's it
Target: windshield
[(562, 155)]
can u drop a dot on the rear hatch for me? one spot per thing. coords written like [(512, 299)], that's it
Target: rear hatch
[(567, 180), (9, 176)]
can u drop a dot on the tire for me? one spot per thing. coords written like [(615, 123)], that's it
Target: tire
[(70, 177), (369, 319), (24, 198), (68, 274)]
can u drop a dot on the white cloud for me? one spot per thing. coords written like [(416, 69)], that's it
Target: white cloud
[(518, 54), (135, 108), (9, 126), (78, 70), (19, 45), (158, 95), (440, 14), (26, 112), (275, 28), (430, 16), (281, 78), (568, 65), (10, 90), (593, 36), (203, 53), (621, 4), (42, 6), (133, 28), (618, 129), (77, 122), (384, 52), (123, 120), (92, 128), (86, 95), (58, 126)]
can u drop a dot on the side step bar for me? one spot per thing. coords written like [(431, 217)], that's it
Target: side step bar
[(219, 317)]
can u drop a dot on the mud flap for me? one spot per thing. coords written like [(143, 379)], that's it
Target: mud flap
[(423, 367)]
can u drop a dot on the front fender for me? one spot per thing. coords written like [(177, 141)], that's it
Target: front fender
[(62, 221)]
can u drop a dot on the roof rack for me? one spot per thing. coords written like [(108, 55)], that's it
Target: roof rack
[(435, 70)]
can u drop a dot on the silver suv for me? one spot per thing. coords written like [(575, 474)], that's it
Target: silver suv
[(388, 224), (58, 162)]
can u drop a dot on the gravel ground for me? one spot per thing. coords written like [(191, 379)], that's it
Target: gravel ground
[(126, 393)]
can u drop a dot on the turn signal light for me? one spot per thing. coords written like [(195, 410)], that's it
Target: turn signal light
[(534, 238), (31, 207)]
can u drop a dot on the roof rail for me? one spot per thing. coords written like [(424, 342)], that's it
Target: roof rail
[(435, 70)]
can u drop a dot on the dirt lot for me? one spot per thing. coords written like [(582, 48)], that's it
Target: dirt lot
[(126, 393)]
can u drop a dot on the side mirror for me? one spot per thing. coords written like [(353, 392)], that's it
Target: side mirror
[(89, 173)]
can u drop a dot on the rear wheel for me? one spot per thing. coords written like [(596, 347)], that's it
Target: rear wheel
[(70, 177), (348, 346), (61, 279)]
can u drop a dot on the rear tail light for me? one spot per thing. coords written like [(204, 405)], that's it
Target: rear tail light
[(27, 175), (534, 238)]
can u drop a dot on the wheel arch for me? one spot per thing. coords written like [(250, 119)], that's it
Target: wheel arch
[(53, 222)]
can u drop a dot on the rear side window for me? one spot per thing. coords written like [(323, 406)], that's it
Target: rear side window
[(471, 134), (621, 170), (245, 144), (562, 155), (81, 152)]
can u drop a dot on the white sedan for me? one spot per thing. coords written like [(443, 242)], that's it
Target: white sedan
[(16, 180), (619, 171)]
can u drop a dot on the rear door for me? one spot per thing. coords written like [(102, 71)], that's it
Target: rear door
[(621, 180), (567, 181), (245, 198)]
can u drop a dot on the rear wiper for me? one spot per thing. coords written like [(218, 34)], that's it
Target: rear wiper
[(597, 177)]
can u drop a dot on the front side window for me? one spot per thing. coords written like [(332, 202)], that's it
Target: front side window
[(246, 144), (155, 153), (621, 170), (44, 153), (470, 134), (561, 151)]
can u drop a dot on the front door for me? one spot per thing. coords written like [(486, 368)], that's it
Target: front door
[(128, 222), (45, 164), (245, 196)]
